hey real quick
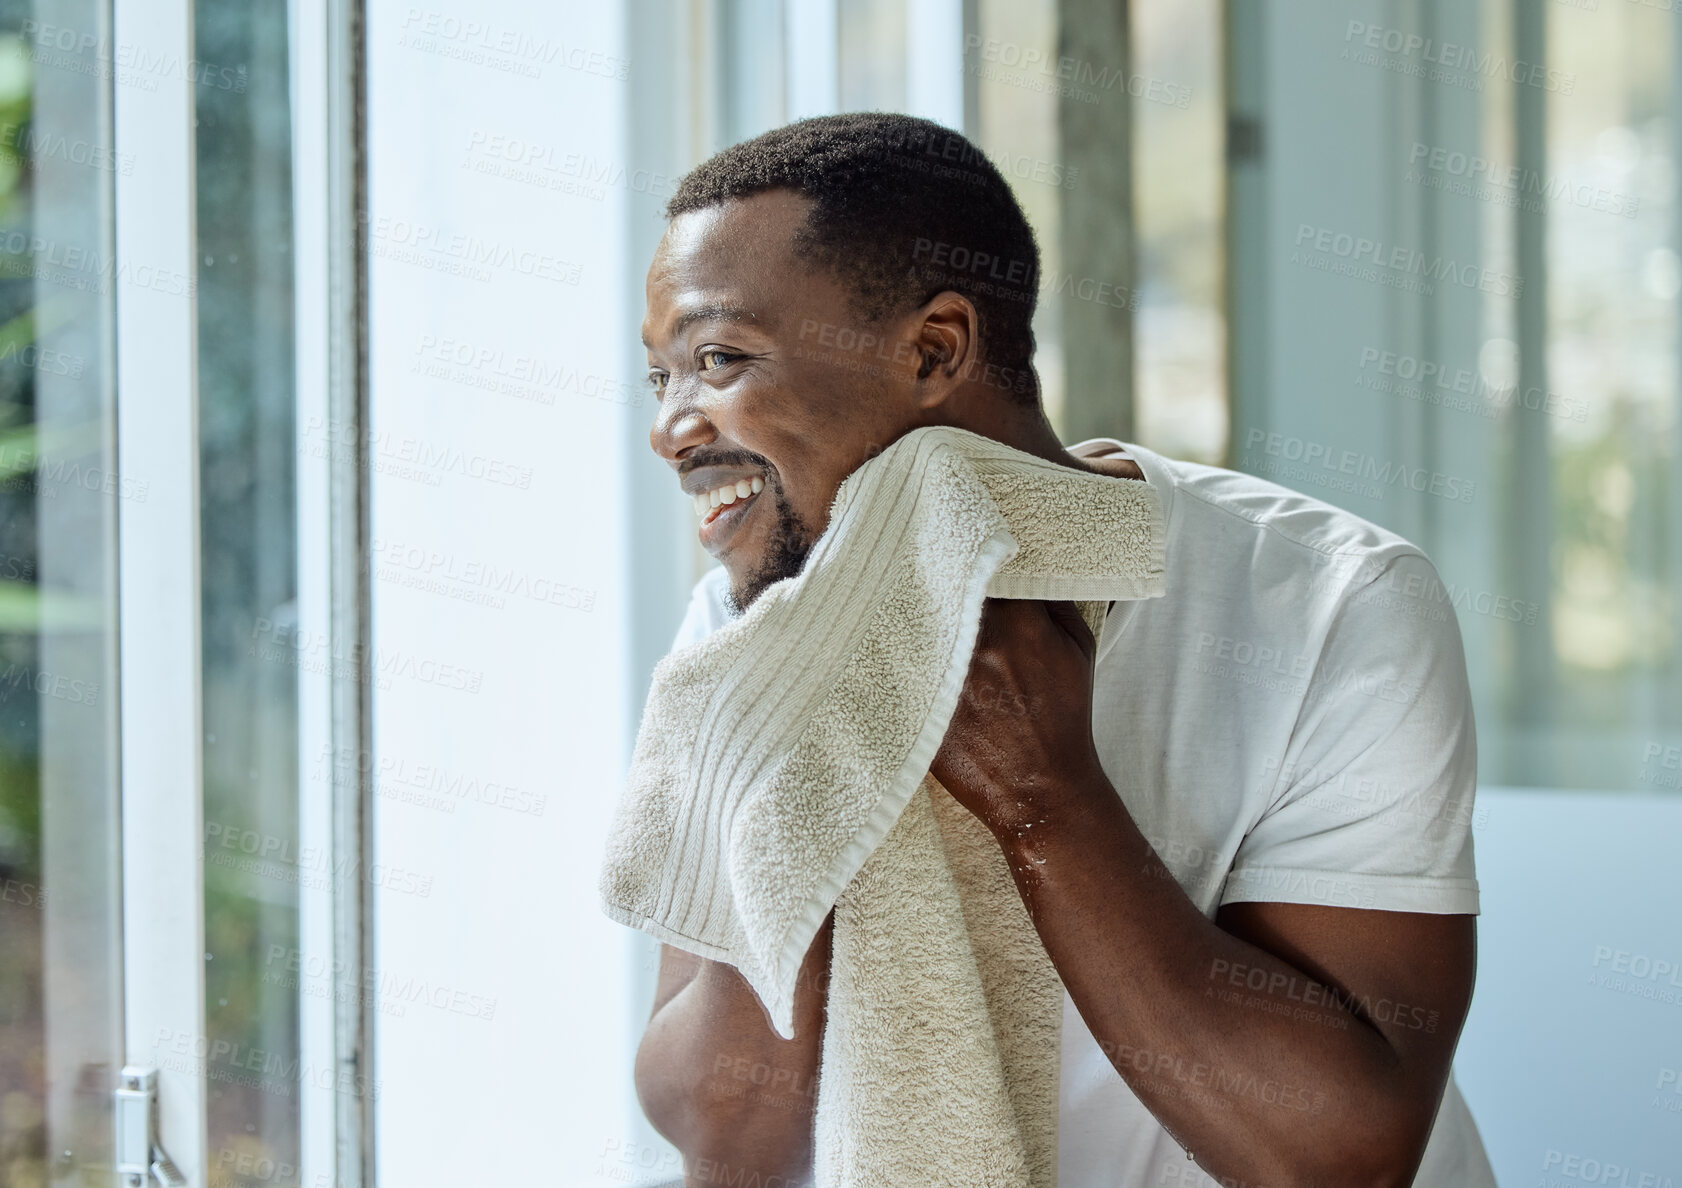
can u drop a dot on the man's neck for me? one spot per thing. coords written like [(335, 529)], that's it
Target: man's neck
[(1030, 432)]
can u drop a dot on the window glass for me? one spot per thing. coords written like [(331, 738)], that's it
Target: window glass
[(1017, 122), (1179, 369), (60, 936), (1606, 195), (253, 864)]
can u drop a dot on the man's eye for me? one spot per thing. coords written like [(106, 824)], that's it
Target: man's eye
[(657, 381), (723, 357)]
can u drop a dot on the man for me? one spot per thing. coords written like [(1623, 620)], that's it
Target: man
[(1239, 819)]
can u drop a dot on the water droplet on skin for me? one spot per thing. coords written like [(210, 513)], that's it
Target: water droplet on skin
[(1041, 861)]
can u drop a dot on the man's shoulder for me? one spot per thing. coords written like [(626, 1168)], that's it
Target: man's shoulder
[(1211, 500), (1248, 557)]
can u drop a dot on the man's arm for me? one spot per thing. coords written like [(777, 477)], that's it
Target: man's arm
[(714, 1077), (1280, 1044)]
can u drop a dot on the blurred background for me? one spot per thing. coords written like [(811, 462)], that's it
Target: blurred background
[(431, 560)]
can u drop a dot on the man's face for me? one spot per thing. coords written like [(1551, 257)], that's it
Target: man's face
[(753, 387)]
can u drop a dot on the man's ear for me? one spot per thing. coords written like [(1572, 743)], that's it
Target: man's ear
[(947, 338)]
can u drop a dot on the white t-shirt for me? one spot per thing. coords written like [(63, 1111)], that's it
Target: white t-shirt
[(1290, 722)]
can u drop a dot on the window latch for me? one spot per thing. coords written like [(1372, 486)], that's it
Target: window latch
[(140, 1160)]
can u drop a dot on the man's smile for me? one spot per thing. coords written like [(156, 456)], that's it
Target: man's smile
[(727, 494), (722, 496)]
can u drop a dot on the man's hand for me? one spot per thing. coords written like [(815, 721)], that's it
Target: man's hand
[(1254, 1084), (1019, 748)]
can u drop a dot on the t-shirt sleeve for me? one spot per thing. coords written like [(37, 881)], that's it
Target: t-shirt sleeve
[(1372, 805)]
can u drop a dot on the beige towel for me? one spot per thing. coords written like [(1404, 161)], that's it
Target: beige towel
[(781, 768)]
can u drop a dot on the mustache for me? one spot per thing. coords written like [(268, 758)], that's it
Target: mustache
[(730, 458)]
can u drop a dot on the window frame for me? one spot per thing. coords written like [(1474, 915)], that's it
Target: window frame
[(158, 581)]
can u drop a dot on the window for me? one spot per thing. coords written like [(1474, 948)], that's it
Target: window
[(334, 561), (60, 496), (255, 972)]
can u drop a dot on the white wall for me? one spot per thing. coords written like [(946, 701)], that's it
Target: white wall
[(502, 406), (1573, 1050)]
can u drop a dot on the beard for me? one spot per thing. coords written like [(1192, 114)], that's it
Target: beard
[(791, 541)]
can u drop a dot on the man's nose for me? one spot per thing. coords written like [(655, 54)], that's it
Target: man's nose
[(679, 426)]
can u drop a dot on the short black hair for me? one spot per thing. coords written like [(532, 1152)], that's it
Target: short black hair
[(903, 208)]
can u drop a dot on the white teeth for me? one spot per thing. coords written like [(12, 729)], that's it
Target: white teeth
[(727, 494)]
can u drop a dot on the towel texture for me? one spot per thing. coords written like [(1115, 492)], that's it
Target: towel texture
[(782, 768)]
